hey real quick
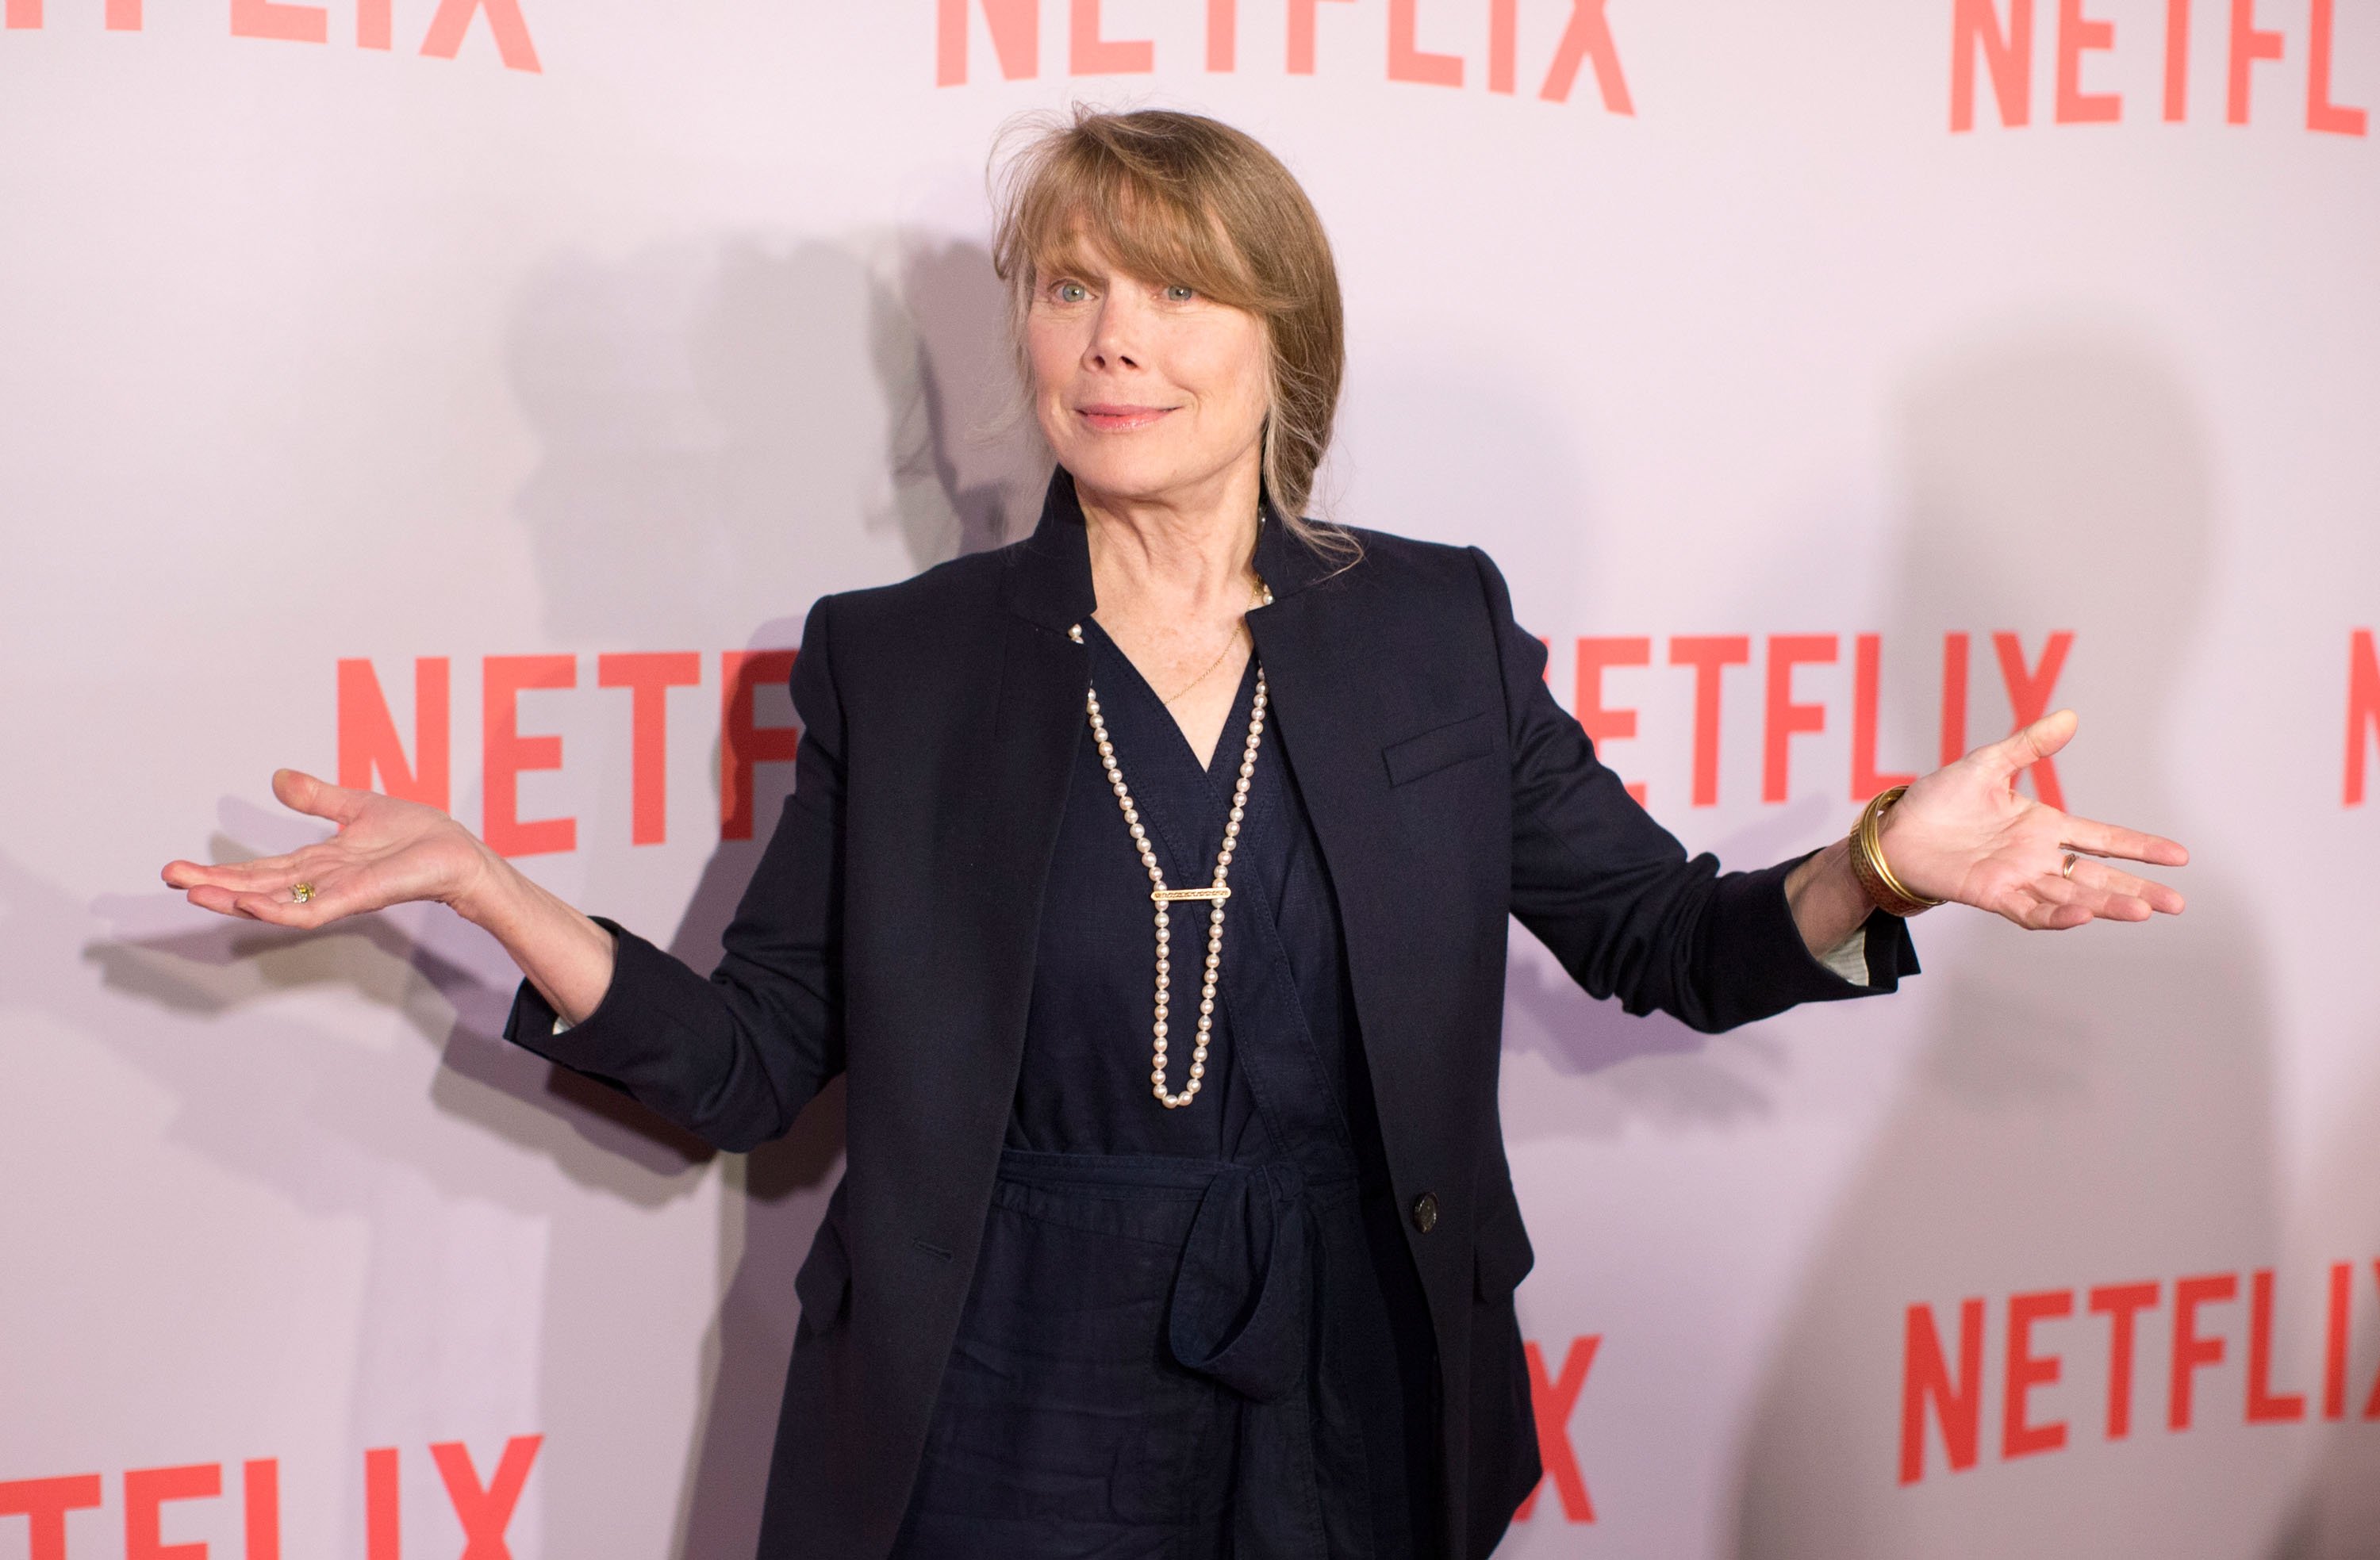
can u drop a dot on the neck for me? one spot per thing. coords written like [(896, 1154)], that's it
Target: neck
[(1185, 550)]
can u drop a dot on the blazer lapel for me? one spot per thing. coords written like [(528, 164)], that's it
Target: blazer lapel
[(1048, 580), (1009, 828), (1333, 737)]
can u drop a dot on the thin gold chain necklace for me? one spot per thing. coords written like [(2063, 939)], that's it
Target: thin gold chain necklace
[(1161, 897)]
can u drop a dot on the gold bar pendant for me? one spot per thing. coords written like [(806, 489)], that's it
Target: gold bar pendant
[(1162, 896)]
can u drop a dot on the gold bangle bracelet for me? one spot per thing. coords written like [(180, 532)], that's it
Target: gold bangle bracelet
[(1883, 867), (1876, 876)]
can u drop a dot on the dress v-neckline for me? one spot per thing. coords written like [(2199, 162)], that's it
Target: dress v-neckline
[(1223, 761)]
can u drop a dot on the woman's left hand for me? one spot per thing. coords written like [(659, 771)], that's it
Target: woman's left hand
[(1964, 833)]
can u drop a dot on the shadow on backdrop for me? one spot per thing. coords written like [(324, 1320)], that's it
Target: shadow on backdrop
[(2094, 1106), (1687, 1079), (2336, 1515), (723, 432)]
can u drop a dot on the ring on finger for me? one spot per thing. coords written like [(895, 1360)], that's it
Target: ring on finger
[(2066, 867), (301, 892)]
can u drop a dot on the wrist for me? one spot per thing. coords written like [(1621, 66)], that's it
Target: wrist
[(1825, 899), (488, 890)]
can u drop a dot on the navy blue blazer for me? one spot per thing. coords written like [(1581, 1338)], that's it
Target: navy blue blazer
[(888, 935)]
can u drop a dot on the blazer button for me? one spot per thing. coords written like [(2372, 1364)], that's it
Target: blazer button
[(1425, 1213)]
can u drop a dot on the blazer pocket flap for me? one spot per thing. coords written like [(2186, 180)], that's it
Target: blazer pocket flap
[(1473, 736)]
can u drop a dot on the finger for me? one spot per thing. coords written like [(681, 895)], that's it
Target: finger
[(2066, 903), (302, 793), (2052, 915), (277, 910), (2116, 907), (265, 872), (2030, 744), (2113, 882), (2110, 839), (2041, 905), (223, 902), (2037, 910), (2106, 893), (282, 909)]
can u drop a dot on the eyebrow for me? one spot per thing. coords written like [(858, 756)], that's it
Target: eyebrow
[(1065, 264)]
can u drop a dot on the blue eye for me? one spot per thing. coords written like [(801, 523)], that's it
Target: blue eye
[(1071, 292), (1178, 293)]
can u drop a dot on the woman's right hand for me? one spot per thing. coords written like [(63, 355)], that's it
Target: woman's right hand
[(386, 851)]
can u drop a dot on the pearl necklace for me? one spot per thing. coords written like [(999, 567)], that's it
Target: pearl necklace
[(1161, 896)]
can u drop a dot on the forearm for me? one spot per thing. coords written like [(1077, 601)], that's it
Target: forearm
[(564, 954), (1827, 901)]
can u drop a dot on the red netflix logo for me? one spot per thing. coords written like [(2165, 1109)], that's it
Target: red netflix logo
[(2002, 42), (2030, 680), (372, 750), (294, 23), (2362, 710), (1552, 1400), (1585, 43), (1952, 1397), (484, 1509)]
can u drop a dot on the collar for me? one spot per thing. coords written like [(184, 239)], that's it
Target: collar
[(1049, 578)]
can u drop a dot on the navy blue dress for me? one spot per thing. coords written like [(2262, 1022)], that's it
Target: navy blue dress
[(1194, 1333)]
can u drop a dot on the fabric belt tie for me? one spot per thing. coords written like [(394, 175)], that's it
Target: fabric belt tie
[(1243, 1315), (1243, 1301)]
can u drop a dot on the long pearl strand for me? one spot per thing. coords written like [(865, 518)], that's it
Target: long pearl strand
[(1162, 896)]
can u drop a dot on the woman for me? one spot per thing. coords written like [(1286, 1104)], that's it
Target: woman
[(1209, 1254)]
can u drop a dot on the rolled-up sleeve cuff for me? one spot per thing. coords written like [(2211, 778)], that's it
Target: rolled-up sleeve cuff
[(1847, 959), (1754, 927), (1890, 953)]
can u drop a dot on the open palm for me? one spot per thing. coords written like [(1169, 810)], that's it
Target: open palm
[(386, 851), (1964, 833)]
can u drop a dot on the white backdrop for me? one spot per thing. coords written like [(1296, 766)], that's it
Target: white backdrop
[(423, 333)]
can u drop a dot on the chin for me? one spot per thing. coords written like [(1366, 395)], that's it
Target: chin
[(1125, 473)]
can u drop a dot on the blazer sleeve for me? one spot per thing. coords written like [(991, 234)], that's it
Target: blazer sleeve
[(1614, 895), (733, 1059)]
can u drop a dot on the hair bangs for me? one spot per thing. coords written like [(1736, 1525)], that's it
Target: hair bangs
[(1089, 211)]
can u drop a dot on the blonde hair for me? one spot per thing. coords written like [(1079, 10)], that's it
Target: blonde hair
[(1186, 199)]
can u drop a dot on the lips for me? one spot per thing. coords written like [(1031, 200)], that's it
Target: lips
[(1113, 419)]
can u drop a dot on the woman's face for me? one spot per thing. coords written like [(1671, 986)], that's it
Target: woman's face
[(1146, 390)]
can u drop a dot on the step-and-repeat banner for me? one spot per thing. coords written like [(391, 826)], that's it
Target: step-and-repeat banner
[(468, 398)]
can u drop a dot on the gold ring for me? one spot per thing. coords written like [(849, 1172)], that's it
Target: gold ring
[(2067, 869), (301, 892)]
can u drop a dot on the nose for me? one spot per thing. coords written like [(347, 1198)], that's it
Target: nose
[(1116, 338)]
